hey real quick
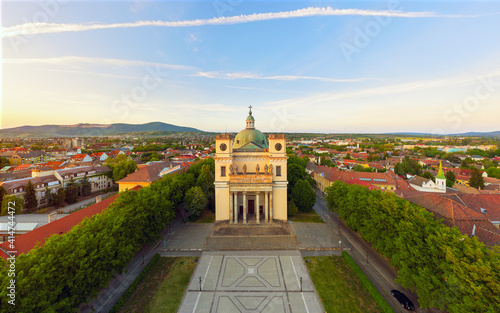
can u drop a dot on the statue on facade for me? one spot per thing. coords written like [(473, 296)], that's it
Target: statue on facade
[(244, 169), (270, 169), (257, 168), (236, 169), (266, 169), (231, 169)]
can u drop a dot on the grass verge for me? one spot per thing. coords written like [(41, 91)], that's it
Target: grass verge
[(368, 284), (128, 293), (168, 297), (306, 218), (339, 289)]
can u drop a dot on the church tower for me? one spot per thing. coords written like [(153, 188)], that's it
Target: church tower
[(440, 178)]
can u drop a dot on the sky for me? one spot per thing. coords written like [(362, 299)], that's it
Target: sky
[(304, 66)]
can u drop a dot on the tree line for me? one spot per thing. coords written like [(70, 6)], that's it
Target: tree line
[(448, 270), (71, 268)]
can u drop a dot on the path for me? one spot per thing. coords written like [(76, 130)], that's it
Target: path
[(77, 205)]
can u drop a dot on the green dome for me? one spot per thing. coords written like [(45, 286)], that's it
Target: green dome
[(250, 118), (250, 135)]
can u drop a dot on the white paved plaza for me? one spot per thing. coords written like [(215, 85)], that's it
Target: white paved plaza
[(251, 281)]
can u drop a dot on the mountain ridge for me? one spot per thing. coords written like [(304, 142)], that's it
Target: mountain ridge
[(90, 130)]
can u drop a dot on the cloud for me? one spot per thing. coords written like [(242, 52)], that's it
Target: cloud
[(327, 98), (243, 75), (96, 61), (47, 28)]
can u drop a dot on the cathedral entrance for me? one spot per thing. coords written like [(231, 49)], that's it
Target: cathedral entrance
[(251, 206)]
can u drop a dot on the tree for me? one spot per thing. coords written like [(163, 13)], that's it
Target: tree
[(123, 168), (292, 208), (71, 191), (295, 172), (428, 175), (11, 201), (4, 162), (206, 182), (60, 196), (2, 194), (31, 200), (194, 202), (476, 180), (450, 175), (304, 196), (466, 162), (86, 186), (49, 196), (493, 172)]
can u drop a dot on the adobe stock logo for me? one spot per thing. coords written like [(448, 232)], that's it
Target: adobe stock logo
[(470, 104), (363, 36), (48, 10)]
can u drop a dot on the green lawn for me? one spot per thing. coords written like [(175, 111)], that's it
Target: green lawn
[(312, 217), (162, 288), (338, 286), (207, 216), (169, 295)]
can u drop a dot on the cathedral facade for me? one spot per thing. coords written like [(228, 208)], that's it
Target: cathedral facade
[(250, 176)]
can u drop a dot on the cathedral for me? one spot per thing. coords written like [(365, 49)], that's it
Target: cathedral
[(250, 176)]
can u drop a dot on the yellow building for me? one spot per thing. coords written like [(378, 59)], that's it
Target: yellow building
[(250, 176)]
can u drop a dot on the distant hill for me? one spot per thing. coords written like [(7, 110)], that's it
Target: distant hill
[(480, 134), (469, 134), (87, 130)]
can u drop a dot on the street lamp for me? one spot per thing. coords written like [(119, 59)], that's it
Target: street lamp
[(340, 244)]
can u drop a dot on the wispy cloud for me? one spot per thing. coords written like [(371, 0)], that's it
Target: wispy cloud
[(242, 75), (47, 28), (327, 98), (95, 61)]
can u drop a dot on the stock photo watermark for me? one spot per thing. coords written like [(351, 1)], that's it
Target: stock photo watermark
[(11, 260), (139, 93), (48, 10), (224, 6), (461, 110), (363, 36)]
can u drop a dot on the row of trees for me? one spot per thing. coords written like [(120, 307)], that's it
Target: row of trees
[(71, 268), (448, 270)]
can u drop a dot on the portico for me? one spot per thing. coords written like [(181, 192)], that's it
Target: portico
[(250, 206)]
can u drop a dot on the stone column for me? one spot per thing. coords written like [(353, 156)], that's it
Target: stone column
[(271, 208), (231, 207), (244, 207), (257, 214), (266, 206), (236, 207)]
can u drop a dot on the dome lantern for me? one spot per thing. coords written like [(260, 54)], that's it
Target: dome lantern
[(250, 138)]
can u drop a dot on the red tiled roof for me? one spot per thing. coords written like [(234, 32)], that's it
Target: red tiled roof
[(24, 243), (361, 183)]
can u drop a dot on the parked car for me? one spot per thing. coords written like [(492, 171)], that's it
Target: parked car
[(403, 299)]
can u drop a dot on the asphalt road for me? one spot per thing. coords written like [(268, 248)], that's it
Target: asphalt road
[(378, 270)]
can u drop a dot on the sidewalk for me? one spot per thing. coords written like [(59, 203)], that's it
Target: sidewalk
[(107, 297), (378, 270), (77, 205)]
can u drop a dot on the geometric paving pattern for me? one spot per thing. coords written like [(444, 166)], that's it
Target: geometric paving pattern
[(251, 282)]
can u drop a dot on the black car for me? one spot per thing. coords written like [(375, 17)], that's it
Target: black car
[(405, 302)]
